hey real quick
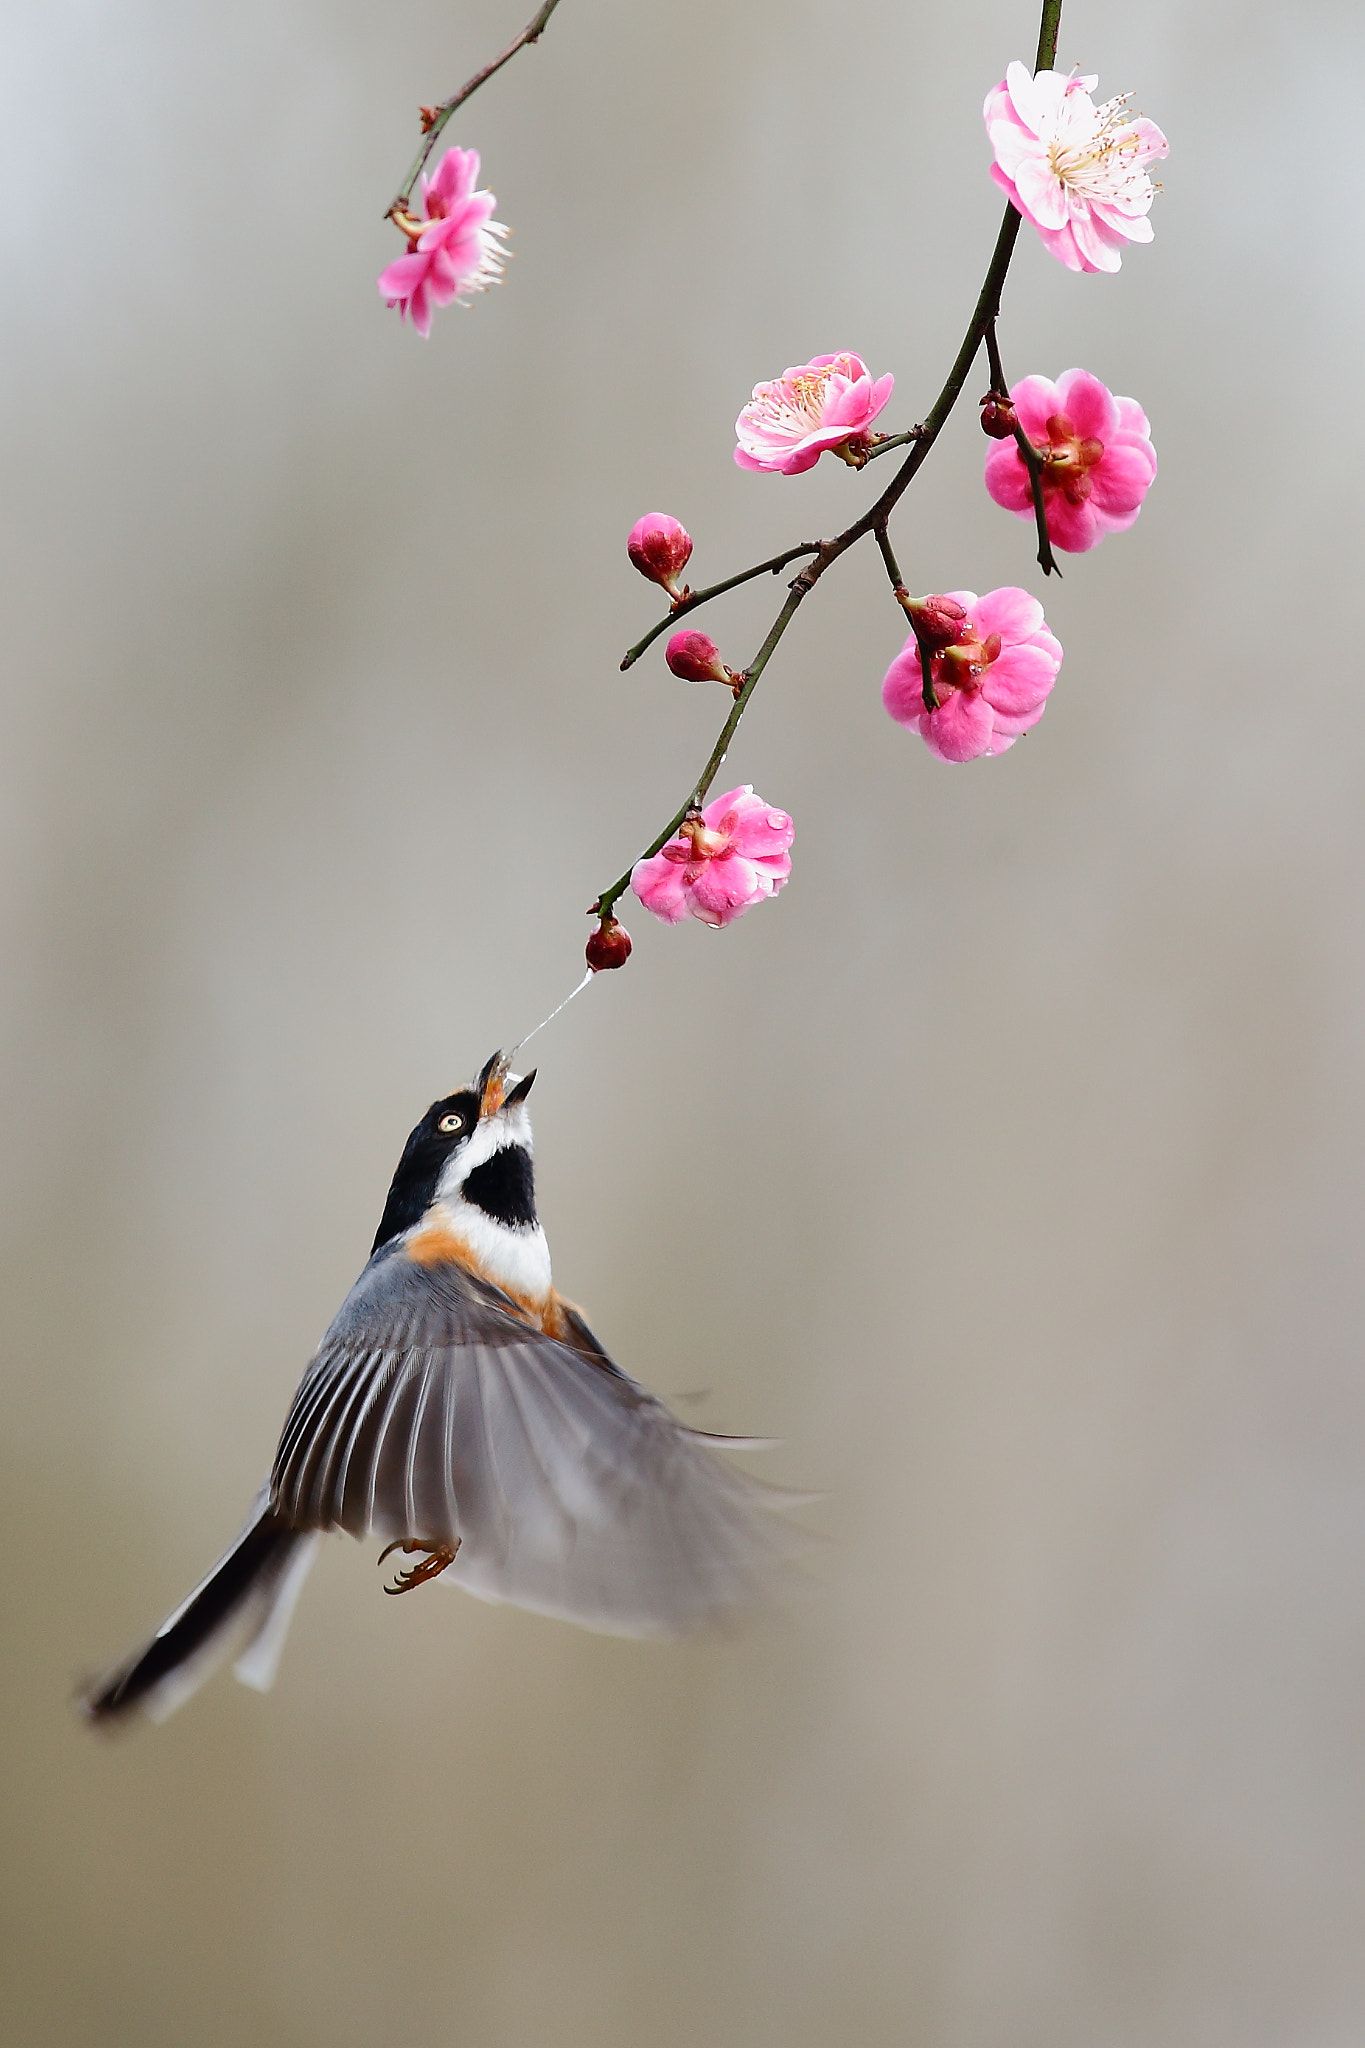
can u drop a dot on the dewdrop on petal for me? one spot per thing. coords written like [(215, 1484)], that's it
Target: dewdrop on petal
[(661, 548)]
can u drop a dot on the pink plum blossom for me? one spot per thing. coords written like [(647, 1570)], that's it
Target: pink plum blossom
[(990, 683), (1098, 459), (732, 854), (453, 251), (1077, 171), (661, 549), (829, 402)]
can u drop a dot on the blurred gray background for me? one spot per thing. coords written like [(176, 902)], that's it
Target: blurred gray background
[(1008, 1168)]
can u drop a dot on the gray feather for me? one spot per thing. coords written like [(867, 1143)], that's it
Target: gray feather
[(433, 1412)]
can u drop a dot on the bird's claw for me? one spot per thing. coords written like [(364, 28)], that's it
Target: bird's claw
[(438, 1556)]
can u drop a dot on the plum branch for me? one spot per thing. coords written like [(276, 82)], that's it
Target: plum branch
[(875, 520), (434, 118)]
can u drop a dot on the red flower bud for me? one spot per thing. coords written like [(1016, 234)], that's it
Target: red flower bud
[(661, 549), (997, 417), (609, 946), (937, 621), (696, 658)]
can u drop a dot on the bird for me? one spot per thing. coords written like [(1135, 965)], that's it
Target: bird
[(461, 1410)]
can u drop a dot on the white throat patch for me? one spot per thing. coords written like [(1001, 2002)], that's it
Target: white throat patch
[(518, 1261)]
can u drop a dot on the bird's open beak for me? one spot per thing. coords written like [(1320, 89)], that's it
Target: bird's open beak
[(493, 1080), (491, 1083)]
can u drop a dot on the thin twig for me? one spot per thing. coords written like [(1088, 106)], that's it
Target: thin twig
[(440, 115), (696, 597), (882, 444), (893, 567), (999, 388), (1033, 461), (873, 521), (602, 907), (904, 600)]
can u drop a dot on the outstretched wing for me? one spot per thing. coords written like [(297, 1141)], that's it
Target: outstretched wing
[(432, 1411)]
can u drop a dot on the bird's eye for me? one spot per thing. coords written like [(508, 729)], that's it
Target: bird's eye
[(452, 1123)]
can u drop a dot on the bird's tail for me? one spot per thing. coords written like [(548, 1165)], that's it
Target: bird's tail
[(245, 1603)]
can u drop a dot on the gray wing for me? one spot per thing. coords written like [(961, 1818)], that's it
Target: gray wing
[(431, 1411)]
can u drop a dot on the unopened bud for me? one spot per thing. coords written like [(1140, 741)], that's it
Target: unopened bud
[(696, 658), (938, 621), (609, 946), (661, 549), (997, 417)]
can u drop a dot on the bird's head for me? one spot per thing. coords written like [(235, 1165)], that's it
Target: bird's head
[(457, 1152)]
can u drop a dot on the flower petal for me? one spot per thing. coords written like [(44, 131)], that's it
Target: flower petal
[(1088, 404), (1042, 194), (1035, 401), (1153, 143), (456, 175), (1012, 613), (1121, 480), (1007, 479), (1133, 420), (1073, 528), (1061, 243), (402, 277), (733, 800), (757, 837), (959, 730), (661, 887), (1018, 683), (724, 889), (1100, 248), (1026, 97), (903, 687), (463, 220), (419, 309)]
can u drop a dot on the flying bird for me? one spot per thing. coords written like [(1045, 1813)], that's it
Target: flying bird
[(461, 1410)]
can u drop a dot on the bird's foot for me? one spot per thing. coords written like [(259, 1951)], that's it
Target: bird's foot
[(438, 1556)]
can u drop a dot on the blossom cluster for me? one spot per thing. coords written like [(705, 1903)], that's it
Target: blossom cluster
[(975, 672)]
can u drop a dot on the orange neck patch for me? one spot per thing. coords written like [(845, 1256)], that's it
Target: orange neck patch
[(440, 1242)]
